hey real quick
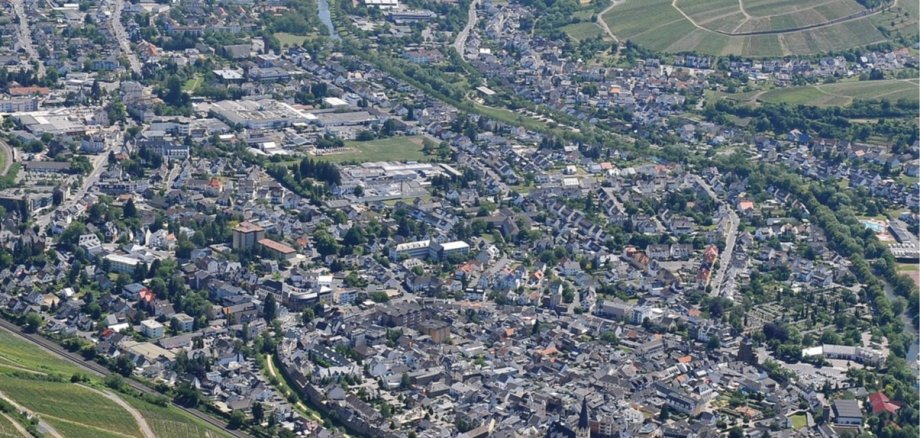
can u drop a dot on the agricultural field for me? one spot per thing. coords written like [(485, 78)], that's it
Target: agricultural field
[(74, 430), (755, 28), (7, 430), (17, 354), (387, 149), (60, 402), (77, 411), (840, 94), (174, 423)]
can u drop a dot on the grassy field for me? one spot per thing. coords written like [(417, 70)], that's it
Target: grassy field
[(67, 402), (18, 353), (387, 149), (511, 117), (841, 93), (191, 85), (722, 27), (583, 31), (289, 39), (799, 421)]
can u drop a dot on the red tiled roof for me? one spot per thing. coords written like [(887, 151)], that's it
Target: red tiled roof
[(881, 403)]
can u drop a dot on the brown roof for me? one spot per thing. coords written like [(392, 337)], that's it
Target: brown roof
[(248, 227), (276, 246), (28, 91)]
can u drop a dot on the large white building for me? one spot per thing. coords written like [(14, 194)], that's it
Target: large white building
[(427, 249), (152, 329), (122, 263), (418, 249), (259, 114)]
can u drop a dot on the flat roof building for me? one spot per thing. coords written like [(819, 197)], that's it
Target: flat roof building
[(259, 114)]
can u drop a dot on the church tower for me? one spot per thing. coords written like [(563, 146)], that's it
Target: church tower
[(584, 426)]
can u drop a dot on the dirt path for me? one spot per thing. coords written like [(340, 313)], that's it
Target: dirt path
[(8, 154), (603, 24), (141, 421), (22, 431), (270, 364), (743, 12), (41, 423)]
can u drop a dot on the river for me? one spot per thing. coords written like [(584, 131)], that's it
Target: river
[(326, 18)]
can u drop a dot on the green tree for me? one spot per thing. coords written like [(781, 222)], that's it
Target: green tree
[(325, 244), (404, 381), (269, 308), (33, 322), (123, 365), (237, 419), (129, 210), (187, 395), (258, 412)]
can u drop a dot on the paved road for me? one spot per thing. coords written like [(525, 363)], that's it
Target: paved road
[(25, 35), (99, 370), (463, 35), (119, 31), (99, 164), (726, 257)]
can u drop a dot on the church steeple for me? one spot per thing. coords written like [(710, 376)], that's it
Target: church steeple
[(584, 425)]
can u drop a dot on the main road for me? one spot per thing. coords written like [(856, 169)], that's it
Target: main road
[(118, 30), (464, 34), (25, 35), (99, 164), (99, 370)]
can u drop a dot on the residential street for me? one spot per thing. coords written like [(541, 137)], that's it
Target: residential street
[(123, 42), (25, 36)]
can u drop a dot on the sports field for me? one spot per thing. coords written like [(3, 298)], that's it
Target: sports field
[(841, 94), (755, 28), (387, 149)]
